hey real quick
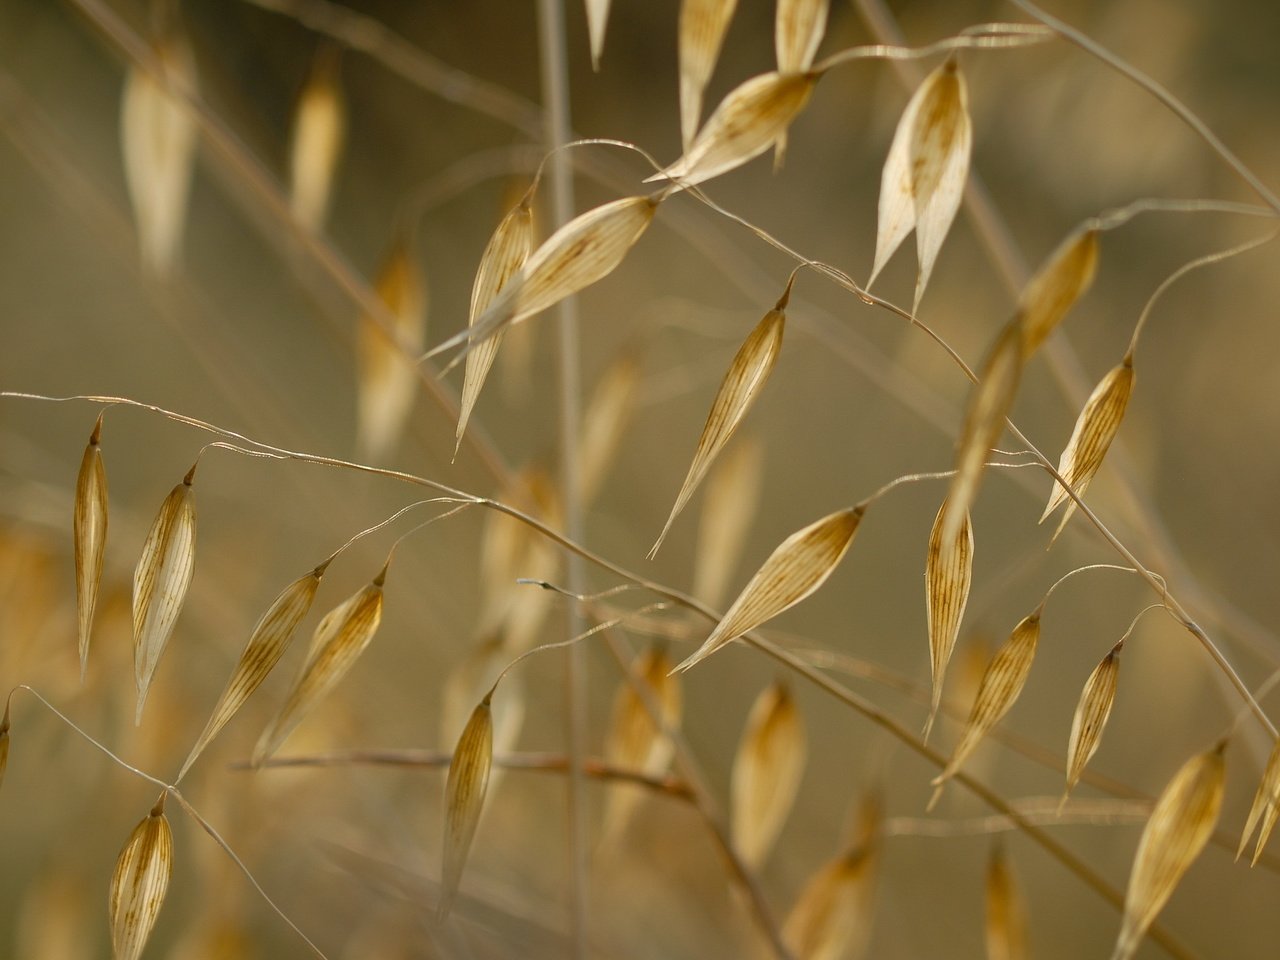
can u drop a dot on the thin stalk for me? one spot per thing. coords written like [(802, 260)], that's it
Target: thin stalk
[(556, 132)]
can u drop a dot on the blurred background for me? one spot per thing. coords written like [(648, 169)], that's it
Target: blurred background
[(258, 328)]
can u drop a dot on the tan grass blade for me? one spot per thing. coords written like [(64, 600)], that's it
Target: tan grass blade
[(1095, 428), (267, 644), (742, 383), (1092, 713), (139, 884), (703, 24), (160, 581), (767, 771), (1265, 805), (799, 26), (504, 254), (315, 147), (796, 568), (750, 120), (586, 249), (4, 743), (1001, 684), (1060, 282), (604, 423), (948, 572), (730, 504), (464, 799), (924, 175), (340, 638), (1180, 825), (1006, 910), (158, 139), (633, 741), (387, 369), (989, 404), (89, 532), (832, 917), (597, 20)]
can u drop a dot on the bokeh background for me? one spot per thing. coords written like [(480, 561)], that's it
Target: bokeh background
[(252, 334)]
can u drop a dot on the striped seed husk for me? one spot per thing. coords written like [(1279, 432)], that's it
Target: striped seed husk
[(1092, 713), (796, 568), (701, 34), (160, 582), (267, 644), (1180, 825), (742, 383), (465, 789), (139, 884), (89, 535), (339, 640), (505, 253), (948, 573), (1001, 684), (925, 172)]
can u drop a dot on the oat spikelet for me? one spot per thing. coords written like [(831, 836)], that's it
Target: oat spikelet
[(989, 404), (468, 682), (798, 29), (504, 254), (948, 572), (924, 175), (464, 799), (89, 532), (997, 692), (1006, 910), (767, 771), (387, 368), (832, 917), (315, 147), (1095, 428), (634, 741), (139, 884), (160, 581), (1181, 824), (1265, 806), (597, 20), (796, 568), (702, 28), (733, 495), (750, 120), (1060, 282), (604, 423), (340, 638), (742, 383), (158, 139), (586, 249), (267, 644), (1092, 713)]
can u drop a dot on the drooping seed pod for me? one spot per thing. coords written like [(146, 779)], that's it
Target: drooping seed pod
[(948, 572), (89, 534), (1006, 912), (1091, 717), (767, 771), (315, 146), (465, 789), (139, 884)]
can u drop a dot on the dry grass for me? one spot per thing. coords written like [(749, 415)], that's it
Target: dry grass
[(265, 235)]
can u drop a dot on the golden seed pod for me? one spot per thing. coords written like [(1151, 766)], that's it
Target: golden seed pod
[(1180, 825), (702, 28), (1060, 282), (1006, 912), (160, 582), (832, 918), (89, 535), (465, 788), (634, 740), (795, 569), (1091, 716), (316, 142), (924, 176), (742, 383), (139, 884), (948, 572)]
